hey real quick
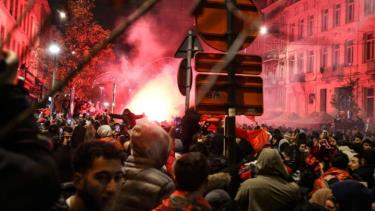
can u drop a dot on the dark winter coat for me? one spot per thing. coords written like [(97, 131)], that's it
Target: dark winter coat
[(145, 186), (28, 175)]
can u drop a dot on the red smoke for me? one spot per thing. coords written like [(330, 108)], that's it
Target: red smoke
[(146, 78)]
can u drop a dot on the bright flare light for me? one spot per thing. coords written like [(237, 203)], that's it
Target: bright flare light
[(106, 104), (54, 49), (263, 30), (159, 99)]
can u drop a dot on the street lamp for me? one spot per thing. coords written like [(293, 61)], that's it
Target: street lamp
[(54, 50), (62, 14), (263, 30)]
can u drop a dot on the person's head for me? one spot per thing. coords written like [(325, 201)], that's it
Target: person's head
[(332, 141), (324, 134), (126, 111), (357, 140), (367, 145), (285, 148), (324, 197), (191, 171), (340, 160), (149, 140), (199, 147), (97, 173), (270, 163), (104, 131), (351, 195), (355, 162)]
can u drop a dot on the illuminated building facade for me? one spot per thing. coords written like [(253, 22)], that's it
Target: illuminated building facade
[(319, 56), (10, 10)]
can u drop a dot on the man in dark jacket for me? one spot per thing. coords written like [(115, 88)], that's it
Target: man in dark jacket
[(145, 184), (128, 118), (28, 175)]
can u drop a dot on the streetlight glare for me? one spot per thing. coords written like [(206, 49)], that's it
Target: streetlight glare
[(54, 49), (62, 15), (263, 30)]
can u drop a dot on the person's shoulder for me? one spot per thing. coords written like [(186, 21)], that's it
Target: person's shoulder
[(156, 175)]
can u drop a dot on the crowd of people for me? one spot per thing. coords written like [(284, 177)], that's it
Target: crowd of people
[(95, 162)]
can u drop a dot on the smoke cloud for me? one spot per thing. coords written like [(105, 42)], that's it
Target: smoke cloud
[(146, 78)]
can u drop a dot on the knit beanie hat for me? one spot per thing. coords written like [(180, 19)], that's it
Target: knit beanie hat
[(104, 131), (149, 140)]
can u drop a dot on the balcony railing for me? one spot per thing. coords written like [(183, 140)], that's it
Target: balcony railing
[(334, 71)]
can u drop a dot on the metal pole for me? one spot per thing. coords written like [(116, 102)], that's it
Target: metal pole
[(189, 57), (113, 97), (53, 83), (72, 102), (230, 132)]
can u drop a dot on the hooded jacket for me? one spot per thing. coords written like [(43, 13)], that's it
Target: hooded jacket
[(145, 184), (271, 189)]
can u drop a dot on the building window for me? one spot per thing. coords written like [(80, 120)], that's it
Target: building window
[(280, 72), (300, 59), (16, 10), (24, 20), (325, 20), (310, 62), (349, 53), (310, 26), (11, 7), (336, 15), (2, 34), (324, 58), (349, 11), (369, 7), (323, 100), (369, 101), (291, 64), (300, 28), (291, 32), (31, 26), (28, 25), (336, 56), (368, 48)]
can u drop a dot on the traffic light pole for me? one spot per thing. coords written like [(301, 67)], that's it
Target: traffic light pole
[(189, 57), (230, 120)]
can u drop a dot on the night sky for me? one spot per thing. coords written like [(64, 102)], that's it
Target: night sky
[(106, 12)]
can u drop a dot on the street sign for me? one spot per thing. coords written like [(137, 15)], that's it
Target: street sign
[(243, 64), (181, 77), (184, 47), (212, 25), (249, 95)]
